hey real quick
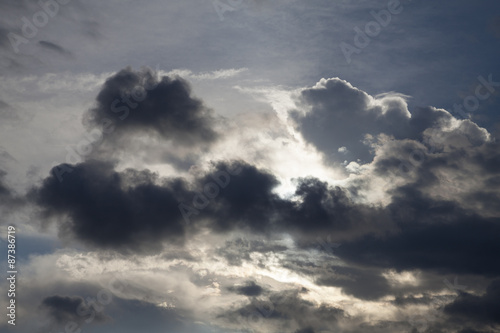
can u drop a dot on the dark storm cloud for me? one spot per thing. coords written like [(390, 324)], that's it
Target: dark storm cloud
[(133, 208), (438, 237), (285, 309), (483, 309), (53, 47), (65, 309), (136, 101), (113, 210), (321, 207), (446, 214), (250, 288), (360, 283), (136, 210), (248, 201)]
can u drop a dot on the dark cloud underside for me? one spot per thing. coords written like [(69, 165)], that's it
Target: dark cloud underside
[(136, 101)]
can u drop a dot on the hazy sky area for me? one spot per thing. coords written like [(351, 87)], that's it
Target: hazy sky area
[(250, 166)]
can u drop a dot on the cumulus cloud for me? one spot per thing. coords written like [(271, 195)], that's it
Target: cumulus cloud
[(340, 119), (113, 210), (137, 101)]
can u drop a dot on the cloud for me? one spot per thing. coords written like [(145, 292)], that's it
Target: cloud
[(339, 119), (136, 101), (250, 288), (360, 283), (214, 75), (4, 190), (139, 208), (433, 235), (412, 300), (249, 201), (127, 211), (65, 309), (10, 201), (419, 225), (483, 309), (238, 250), (284, 310), (53, 47)]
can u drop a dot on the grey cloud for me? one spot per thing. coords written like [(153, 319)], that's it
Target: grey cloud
[(470, 330), (135, 316), (286, 310), (360, 283), (338, 114), (247, 203), (65, 309), (136, 101), (239, 250), (433, 234), (126, 211), (412, 300), (483, 309), (10, 201), (53, 47), (250, 288)]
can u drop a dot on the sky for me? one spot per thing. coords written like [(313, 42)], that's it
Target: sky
[(250, 166)]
